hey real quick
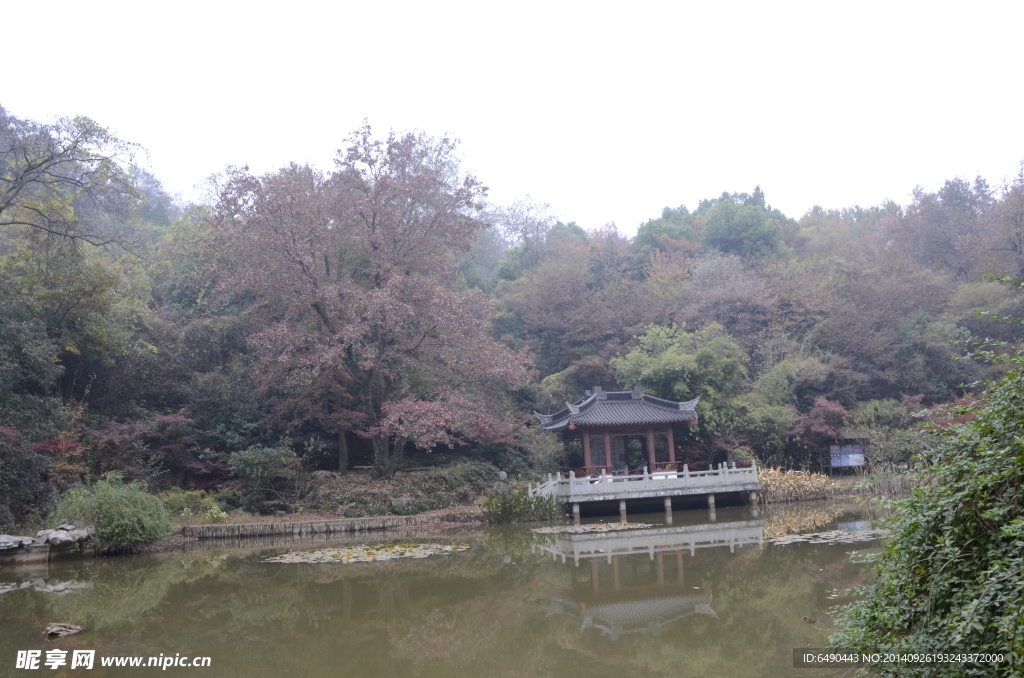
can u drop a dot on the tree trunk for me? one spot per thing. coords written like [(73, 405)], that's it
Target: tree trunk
[(387, 454), (383, 459), (342, 451)]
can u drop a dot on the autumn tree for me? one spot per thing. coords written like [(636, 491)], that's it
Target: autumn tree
[(71, 178), (353, 277)]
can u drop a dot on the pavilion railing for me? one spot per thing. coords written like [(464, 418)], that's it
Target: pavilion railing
[(571, 485)]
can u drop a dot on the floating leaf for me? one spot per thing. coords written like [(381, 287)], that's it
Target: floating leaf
[(365, 554)]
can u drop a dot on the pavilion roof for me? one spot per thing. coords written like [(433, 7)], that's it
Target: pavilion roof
[(618, 408)]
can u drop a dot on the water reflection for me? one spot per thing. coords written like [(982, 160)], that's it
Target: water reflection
[(513, 605), (644, 573)]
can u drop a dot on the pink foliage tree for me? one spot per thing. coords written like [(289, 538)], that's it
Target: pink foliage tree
[(352, 275)]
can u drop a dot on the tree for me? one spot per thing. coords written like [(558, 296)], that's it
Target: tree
[(355, 283), (672, 232), (68, 179), (741, 229), (679, 365)]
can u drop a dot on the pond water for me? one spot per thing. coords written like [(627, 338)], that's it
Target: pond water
[(697, 598)]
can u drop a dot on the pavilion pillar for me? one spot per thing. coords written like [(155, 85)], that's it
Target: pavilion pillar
[(607, 447), (671, 444), (650, 448), (615, 572), (595, 580), (586, 448), (679, 566), (661, 569)]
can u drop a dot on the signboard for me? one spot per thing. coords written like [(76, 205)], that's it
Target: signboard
[(847, 455)]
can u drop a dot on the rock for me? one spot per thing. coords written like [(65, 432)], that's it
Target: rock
[(61, 630), (280, 514), (502, 476), (375, 493), (65, 536), (8, 543), (324, 476), (401, 501), (499, 488), (60, 539)]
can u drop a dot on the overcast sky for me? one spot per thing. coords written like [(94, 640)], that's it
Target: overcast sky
[(607, 111)]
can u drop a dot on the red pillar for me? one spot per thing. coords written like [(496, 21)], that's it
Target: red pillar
[(671, 445), (586, 448), (650, 447), (607, 447)]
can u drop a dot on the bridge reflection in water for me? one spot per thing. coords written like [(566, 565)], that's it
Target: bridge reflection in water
[(641, 595)]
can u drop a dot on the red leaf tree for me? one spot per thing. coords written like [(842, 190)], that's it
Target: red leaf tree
[(352, 275)]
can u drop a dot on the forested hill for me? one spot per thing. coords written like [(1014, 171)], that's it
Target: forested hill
[(385, 309)]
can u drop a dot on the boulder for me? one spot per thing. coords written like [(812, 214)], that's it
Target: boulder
[(502, 476), (61, 630), (9, 543), (65, 536), (401, 501), (324, 476)]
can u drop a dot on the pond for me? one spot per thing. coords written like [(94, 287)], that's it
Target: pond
[(697, 598)]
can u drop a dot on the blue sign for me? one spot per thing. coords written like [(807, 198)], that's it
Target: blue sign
[(847, 455)]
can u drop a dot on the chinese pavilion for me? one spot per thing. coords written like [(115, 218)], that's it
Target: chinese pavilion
[(608, 421)]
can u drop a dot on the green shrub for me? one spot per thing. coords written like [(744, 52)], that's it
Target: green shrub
[(228, 498), (952, 573), (179, 502), (516, 506), (124, 514), (185, 503)]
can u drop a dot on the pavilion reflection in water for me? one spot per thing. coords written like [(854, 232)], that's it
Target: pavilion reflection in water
[(642, 595)]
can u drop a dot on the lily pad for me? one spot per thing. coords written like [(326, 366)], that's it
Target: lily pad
[(366, 554), (831, 537)]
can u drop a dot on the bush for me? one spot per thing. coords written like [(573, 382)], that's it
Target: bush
[(228, 498), (516, 506), (124, 514), (262, 470), (952, 573), (186, 503)]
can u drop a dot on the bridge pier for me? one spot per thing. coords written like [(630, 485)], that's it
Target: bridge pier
[(575, 513), (622, 511), (668, 510)]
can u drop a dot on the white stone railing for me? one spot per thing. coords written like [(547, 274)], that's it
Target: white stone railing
[(570, 485)]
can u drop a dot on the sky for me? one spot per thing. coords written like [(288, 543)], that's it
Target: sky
[(607, 111)]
